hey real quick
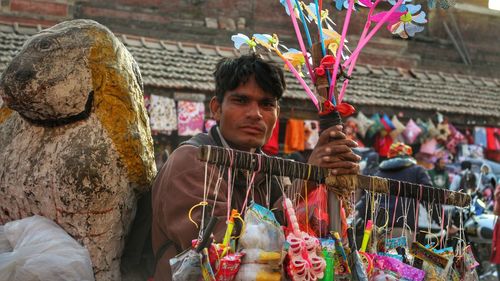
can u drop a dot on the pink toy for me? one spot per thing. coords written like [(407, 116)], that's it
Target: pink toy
[(305, 264)]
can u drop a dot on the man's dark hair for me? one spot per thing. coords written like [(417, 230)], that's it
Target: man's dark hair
[(466, 165), (232, 72)]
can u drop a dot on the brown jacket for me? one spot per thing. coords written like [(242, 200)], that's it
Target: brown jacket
[(178, 187)]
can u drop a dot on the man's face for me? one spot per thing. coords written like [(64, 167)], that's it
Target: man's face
[(441, 164), (246, 116)]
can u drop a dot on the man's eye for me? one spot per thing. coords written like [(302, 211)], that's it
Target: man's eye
[(269, 104), (240, 100)]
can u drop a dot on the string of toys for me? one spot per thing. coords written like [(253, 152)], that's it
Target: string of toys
[(260, 249)]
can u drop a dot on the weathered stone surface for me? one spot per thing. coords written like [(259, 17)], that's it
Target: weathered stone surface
[(75, 144)]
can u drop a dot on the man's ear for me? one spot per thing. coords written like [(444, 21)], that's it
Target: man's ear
[(215, 109)]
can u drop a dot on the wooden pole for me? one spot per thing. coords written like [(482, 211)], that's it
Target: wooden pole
[(325, 122), (282, 167)]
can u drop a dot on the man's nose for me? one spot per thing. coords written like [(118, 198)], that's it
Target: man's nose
[(254, 111)]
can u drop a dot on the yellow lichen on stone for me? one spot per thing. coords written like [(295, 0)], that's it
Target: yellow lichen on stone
[(118, 103), (5, 114)]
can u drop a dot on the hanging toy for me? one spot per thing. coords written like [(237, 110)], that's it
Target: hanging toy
[(366, 236), (305, 264), (262, 243)]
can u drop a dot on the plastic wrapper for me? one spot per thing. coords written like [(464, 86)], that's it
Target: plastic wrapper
[(381, 275), (317, 213), (262, 243), (262, 231), (4, 242), (398, 267), (257, 272), (186, 266), (358, 271), (228, 267), (194, 264), (38, 249)]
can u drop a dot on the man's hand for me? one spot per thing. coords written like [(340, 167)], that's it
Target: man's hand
[(334, 152)]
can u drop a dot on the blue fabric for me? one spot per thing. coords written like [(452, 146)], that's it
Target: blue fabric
[(480, 136), (405, 171)]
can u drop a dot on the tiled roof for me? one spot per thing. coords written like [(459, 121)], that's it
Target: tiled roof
[(188, 67)]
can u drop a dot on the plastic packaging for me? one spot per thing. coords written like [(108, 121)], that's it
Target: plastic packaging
[(41, 250), (317, 213), (186, 266), (262, 243)]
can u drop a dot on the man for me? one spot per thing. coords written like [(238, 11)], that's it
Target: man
[(400, 166), (465, 180), (439, 175), (245, 106)]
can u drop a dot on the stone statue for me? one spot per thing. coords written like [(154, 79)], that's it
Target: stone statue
[(75, 142)]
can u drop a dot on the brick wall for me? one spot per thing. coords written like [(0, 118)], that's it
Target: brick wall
[(214, 21), (45, 12)]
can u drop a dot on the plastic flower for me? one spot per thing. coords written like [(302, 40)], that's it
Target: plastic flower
[(241, 39), (410, 22), (296, 58), (269, 42), (391, 20), (312, 14), (339, 4), (283, 2), (332, 41)]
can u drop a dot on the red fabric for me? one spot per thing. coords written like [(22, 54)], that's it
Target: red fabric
[(386, 125), (382, 144), (272, 145), (492, 138), (495, 247), (344, 109)]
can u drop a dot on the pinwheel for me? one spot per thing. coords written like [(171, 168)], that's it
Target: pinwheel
[(410, 23)]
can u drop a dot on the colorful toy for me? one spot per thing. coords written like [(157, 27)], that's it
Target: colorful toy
[(304, 264)]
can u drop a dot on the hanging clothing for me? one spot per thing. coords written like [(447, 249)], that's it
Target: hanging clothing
[(429, 146), (294, 136), (495, 249), (209, 123), (411, 132), (398, 127), (272, 145), (364, 123), (480, 136), (190, 118), (311, 132), (375, 127), (162, 114), (493, 138), (383, 144)]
